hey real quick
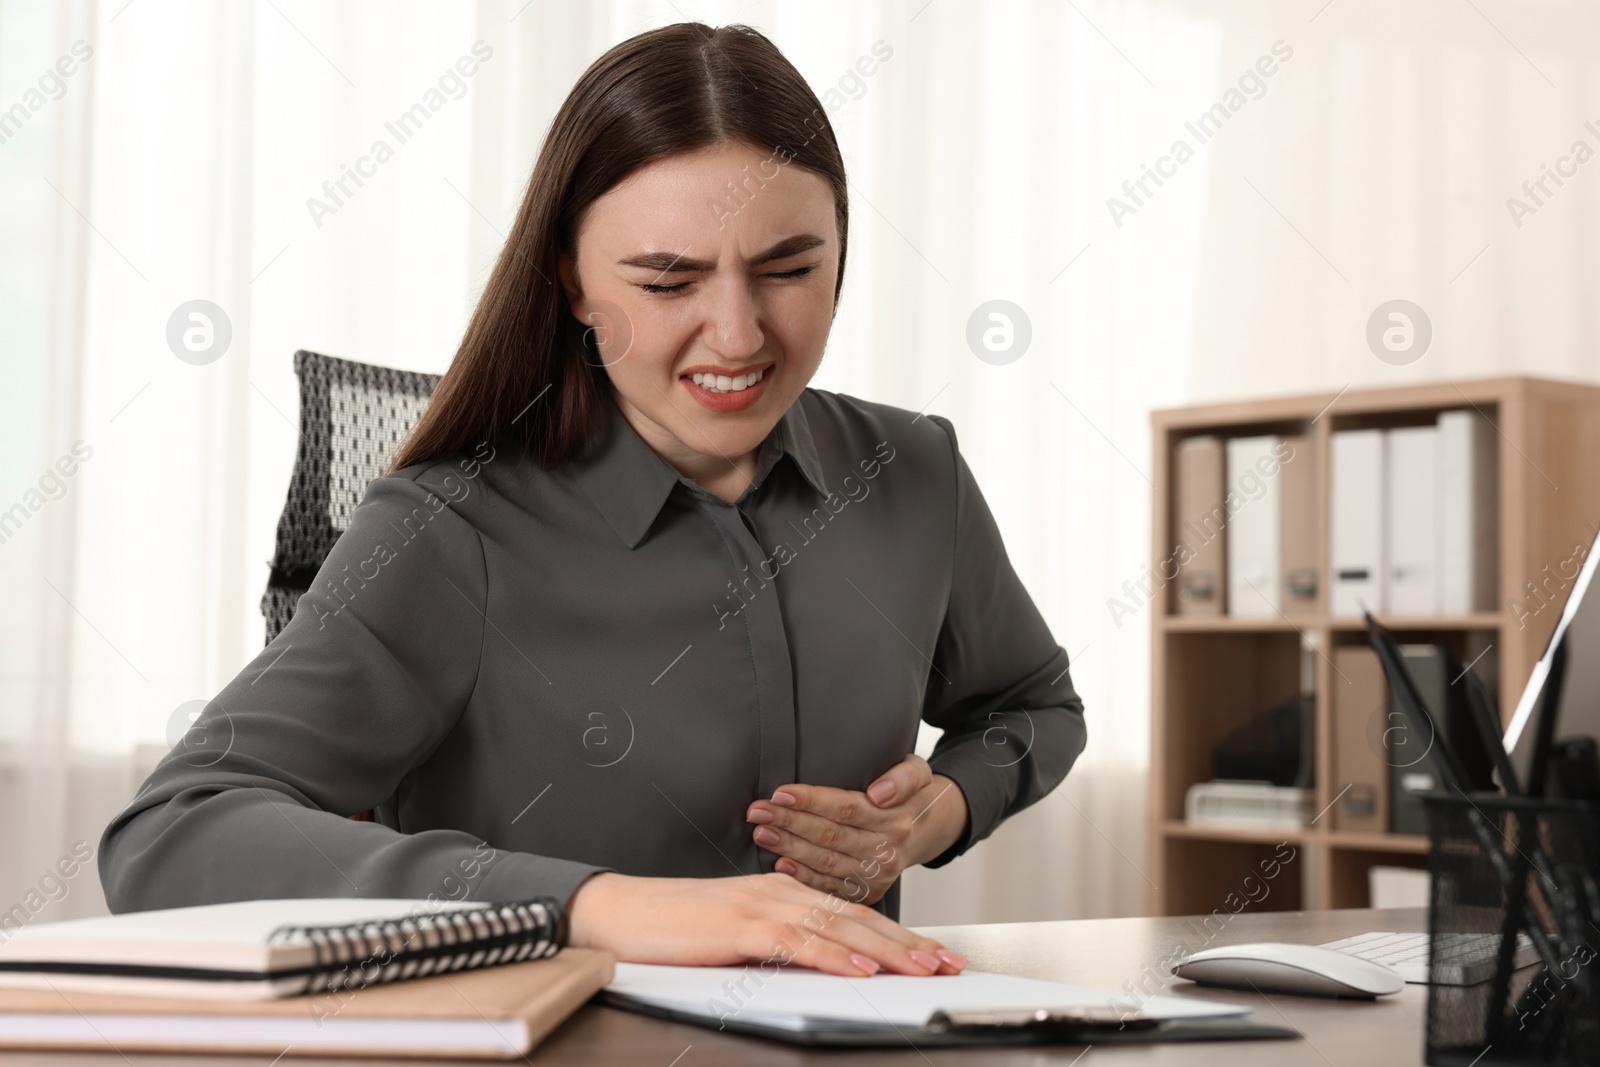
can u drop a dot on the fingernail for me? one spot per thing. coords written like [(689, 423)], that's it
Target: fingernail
[(785, 867), (881, 792), (765, 835), (786, 799), (922, 959), (758, 815), (954, 959), (862, 963)]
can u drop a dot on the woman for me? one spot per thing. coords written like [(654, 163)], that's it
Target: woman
[(636, 620)]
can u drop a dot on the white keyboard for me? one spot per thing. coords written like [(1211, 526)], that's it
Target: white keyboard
[(1468, 958)]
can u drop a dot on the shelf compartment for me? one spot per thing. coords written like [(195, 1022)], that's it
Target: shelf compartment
[(1226, 878), (1216, 682), (1346, 869)]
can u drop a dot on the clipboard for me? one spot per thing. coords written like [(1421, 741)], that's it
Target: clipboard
[(1077, 1026)]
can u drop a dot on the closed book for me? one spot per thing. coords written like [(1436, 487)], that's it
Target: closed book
[(1297, 529), (490, 1013), (1468, 478), (1200, 525), (1355, 522), (1411, 516), (1360, 699), (1253, 538)]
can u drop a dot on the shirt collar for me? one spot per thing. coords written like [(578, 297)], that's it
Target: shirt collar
[(628, 483)]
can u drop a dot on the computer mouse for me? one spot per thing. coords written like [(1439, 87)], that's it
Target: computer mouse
[(1270, 967)]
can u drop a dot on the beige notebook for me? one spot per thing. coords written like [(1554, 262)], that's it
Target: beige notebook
[(498, 1012)]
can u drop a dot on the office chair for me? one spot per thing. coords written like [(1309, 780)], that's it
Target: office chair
[(352, 418)]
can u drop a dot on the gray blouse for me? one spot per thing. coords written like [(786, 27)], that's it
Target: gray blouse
[(534, 675)]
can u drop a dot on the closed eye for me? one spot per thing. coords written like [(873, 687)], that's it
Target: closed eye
[(798, 272)]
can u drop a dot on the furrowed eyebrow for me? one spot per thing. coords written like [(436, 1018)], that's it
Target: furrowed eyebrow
[(675, 263)]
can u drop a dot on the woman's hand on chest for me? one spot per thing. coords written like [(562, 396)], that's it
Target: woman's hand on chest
[(855, 844)]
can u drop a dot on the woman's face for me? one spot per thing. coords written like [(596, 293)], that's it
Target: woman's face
[(708, 278)]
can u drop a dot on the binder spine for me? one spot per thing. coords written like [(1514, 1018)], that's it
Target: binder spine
[(356, 955)]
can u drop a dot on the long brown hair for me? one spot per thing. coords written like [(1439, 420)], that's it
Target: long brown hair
[(524, 368)]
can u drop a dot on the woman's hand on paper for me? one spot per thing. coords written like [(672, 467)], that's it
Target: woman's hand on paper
[(855, 844), (728, 921)]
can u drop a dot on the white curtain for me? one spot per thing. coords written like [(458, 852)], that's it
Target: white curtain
[(175, 163)]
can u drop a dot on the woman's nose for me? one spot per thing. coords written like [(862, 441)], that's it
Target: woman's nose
[(735, 321)]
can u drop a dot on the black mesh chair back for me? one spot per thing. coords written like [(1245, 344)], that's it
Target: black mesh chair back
[(352, 418)]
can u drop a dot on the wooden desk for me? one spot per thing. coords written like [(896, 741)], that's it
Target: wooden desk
[(1105, 953)]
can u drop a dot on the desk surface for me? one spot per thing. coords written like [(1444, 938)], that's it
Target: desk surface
[(1106, 952)]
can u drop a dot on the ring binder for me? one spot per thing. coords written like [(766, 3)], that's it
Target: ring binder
[(454, 940)]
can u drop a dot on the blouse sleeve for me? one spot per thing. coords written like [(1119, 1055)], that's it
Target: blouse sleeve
[(368, 677), (1013, 724)]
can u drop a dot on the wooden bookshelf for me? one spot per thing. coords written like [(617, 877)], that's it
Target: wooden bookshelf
[(1211, 674)]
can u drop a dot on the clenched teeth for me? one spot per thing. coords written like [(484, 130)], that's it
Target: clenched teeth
[(721, 383)]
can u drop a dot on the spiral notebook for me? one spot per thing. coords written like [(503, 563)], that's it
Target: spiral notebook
[(261, 949)]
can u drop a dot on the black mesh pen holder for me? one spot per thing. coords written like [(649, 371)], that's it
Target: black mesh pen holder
[(1510, 871)]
